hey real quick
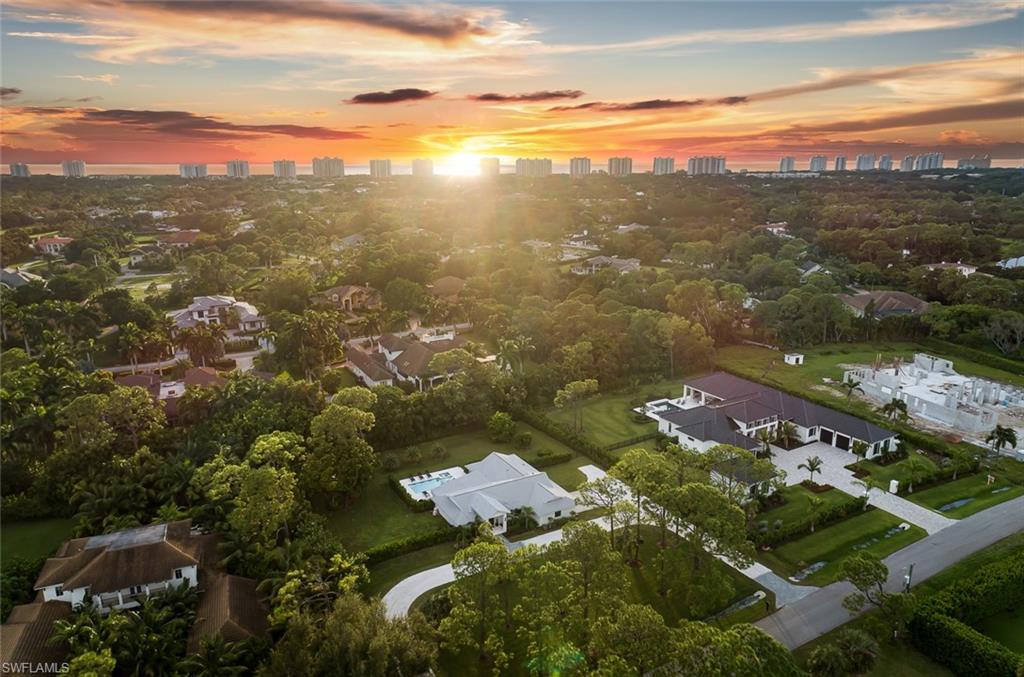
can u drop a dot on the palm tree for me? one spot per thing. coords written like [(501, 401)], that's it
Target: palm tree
[(860, 448), (915, 469), (131, 340), (1000, 437), (895, 409), (814, 504), (215, 657), (959, 461), (528, 516), (867, 486), (813, 465), (851, 386), (786, 434), (85, 348), (765, 437)]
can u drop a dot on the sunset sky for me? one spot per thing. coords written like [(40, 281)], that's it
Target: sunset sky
[(167, 81)]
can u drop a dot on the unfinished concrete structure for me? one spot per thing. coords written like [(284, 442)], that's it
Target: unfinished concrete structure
[(934, 390)]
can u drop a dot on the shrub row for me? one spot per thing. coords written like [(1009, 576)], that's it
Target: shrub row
[(26, 506), (631, 441), (571, 439), (404, 546), (941, 626), (239, 345), (551, 459), (975, 355), (415, 504), (836, 512), (937, 476)]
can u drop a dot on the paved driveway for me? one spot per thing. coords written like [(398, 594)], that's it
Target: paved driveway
[(822, 610), (834, 473)]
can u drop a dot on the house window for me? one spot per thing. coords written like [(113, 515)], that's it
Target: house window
[(59, 591), (135, 590), (558, 513), (178, 573)]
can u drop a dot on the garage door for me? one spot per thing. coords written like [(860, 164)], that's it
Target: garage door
[(843, 442), (825, 436)]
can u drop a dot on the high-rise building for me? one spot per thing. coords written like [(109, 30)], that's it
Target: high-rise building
[(534, 167), (907, 165), (664, 165), (885, 163), (380, 169), (840, 165), (73, 169), (929, 161), (423, 167), (328, 167), (490, 166), (865, 162), (579, 167), (705, 164), (973, 162), (818, 163), (284, 169), (20, 169), (192, 171), (620, 166), (787, 164), (238, 169)]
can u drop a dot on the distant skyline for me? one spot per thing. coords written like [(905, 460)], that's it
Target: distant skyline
[(120, 82)]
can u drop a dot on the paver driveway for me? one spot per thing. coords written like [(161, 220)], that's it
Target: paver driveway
[(833, 472)]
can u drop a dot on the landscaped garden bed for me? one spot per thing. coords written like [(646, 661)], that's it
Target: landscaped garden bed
[(967, 495), (864, 532)]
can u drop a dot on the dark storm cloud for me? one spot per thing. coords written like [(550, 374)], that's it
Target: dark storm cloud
[(394, 96)]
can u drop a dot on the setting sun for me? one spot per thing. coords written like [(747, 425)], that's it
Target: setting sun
[(460, 164)]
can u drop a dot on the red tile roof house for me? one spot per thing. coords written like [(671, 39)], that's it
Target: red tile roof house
[(397, 358), (53, 245), (121, 570), (182, 239)]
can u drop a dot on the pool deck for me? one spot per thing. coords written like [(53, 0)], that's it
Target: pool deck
[(435, 478)]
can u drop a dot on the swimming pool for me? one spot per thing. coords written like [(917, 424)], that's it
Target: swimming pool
[(420, 486)]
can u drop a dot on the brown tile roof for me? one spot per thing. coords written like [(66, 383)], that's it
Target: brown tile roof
[(368, 364), (230, 607), (150, 382), (415, 360), (393, 342), (131, 557), (182, 236), (203, 376), (25, 637), (887, 302), (447, 286)]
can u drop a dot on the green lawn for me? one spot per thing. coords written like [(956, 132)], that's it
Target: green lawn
[(33, 538), (796, 506), (835, 543), (379, 516), (1007, 628), (881, 475), (385, 575), (974, 487), (897, 660), (608, 418)]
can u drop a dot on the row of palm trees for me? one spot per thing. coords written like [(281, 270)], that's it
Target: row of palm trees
[(784, 434), (204, 342)]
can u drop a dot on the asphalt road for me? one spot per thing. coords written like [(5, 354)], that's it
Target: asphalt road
[(822, 610)]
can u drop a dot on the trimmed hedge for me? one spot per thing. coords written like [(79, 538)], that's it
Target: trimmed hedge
[(632, 440), (415, 504), (975, 355), (938, 476), (411, 544), (553, 459), (836, 512), (571, 439), (941, 626)]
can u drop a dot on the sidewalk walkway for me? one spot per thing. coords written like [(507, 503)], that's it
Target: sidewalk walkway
[(835, 473)]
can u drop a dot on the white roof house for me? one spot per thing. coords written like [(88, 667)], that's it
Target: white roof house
[(496, 486), (214, 310)]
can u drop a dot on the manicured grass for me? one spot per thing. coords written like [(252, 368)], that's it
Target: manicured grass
[(1007, 628), (881, 475), (835, 543), (379, 516), (33, 538), (973, 487), (903, 660), (797, 505), (608, 418), (385, 575)]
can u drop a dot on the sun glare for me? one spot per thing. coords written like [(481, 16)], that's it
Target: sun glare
[(461, 164)]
